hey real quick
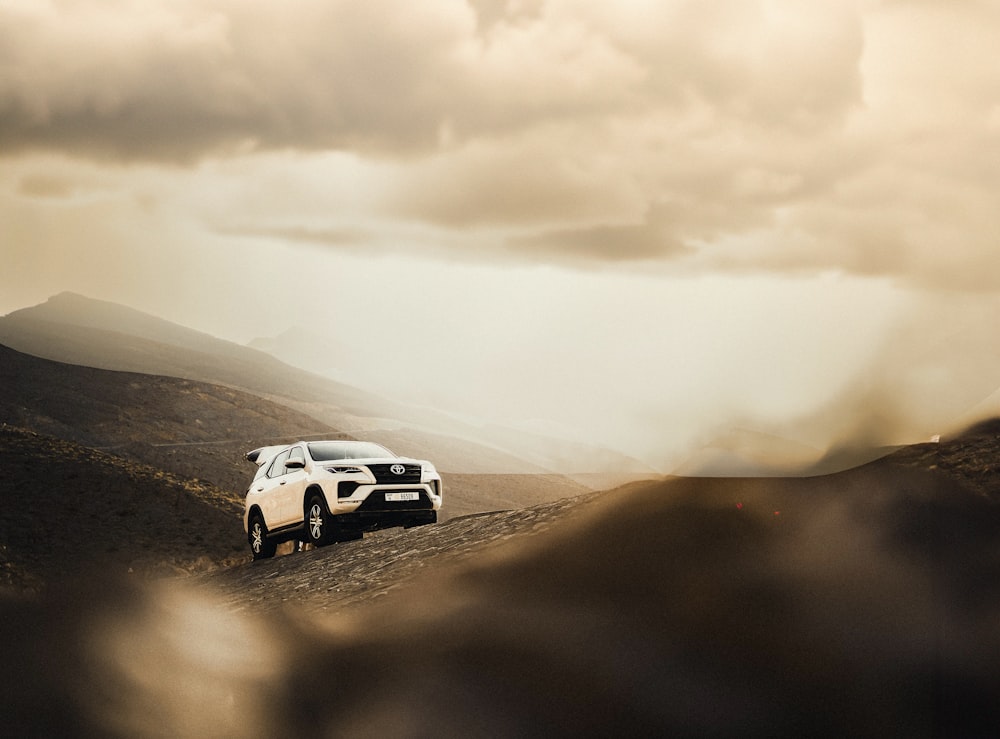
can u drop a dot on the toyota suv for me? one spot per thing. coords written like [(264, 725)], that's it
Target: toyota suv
[(319, 492)]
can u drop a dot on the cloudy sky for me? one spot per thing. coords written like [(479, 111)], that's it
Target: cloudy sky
[(647, 223)]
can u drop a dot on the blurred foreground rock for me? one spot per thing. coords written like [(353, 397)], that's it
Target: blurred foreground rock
[(859, 604)]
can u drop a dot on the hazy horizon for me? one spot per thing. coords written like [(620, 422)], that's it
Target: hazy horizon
[(647, 226)]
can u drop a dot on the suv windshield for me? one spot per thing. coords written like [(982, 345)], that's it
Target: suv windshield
[(330, 451)]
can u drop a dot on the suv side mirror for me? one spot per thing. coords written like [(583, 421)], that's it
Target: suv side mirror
[(295, 463)]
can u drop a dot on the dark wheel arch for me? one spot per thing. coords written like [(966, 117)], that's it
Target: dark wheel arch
[(422, 519)]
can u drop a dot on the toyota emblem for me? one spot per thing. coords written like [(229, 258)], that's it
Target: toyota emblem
[(397, 469)]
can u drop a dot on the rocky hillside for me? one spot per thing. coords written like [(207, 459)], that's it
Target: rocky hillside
[(67, 428), (191, 429), (971, 457), (69, 511)]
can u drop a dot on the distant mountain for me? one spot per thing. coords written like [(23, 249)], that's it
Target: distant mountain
[(79, 330), (591, 464), (297, 347)]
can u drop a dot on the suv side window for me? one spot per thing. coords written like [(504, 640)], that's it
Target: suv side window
[(277, 468)]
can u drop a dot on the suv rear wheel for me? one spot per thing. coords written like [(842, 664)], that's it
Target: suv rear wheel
[(260, 546)]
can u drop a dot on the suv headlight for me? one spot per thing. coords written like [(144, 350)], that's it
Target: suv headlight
[(428, 472), (345, 470)]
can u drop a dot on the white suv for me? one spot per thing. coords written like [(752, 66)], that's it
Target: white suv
[(320, 492)]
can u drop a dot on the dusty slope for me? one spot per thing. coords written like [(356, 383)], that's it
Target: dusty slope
[(192, 433), (897, 496), (863, 603), (962, 473), (199, 430), (345, 575), (469, 494), (69, 511), (192, 429), (971, 457)]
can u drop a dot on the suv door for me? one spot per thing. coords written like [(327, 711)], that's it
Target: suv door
[(268, 491), (292, 488)]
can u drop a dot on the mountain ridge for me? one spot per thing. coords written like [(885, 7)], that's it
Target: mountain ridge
[(81, 330), (45, 332)]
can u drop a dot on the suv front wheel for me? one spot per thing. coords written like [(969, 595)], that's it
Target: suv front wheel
[(318, 523)]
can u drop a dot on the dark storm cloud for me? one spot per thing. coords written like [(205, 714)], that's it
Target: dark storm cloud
[(175, 82), (787, 137), (600, 243), (179, 80), (184, 79), (654, 237), (335, 237)]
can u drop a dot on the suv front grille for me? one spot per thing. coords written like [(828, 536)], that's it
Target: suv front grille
[(385, 476)]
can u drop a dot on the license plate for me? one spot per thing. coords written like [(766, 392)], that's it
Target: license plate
[(397, 497)]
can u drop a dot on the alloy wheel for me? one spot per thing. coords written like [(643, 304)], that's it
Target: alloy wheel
[(316, 522)]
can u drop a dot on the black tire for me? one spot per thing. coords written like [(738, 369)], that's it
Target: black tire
[(260, 546), (318, 522)]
